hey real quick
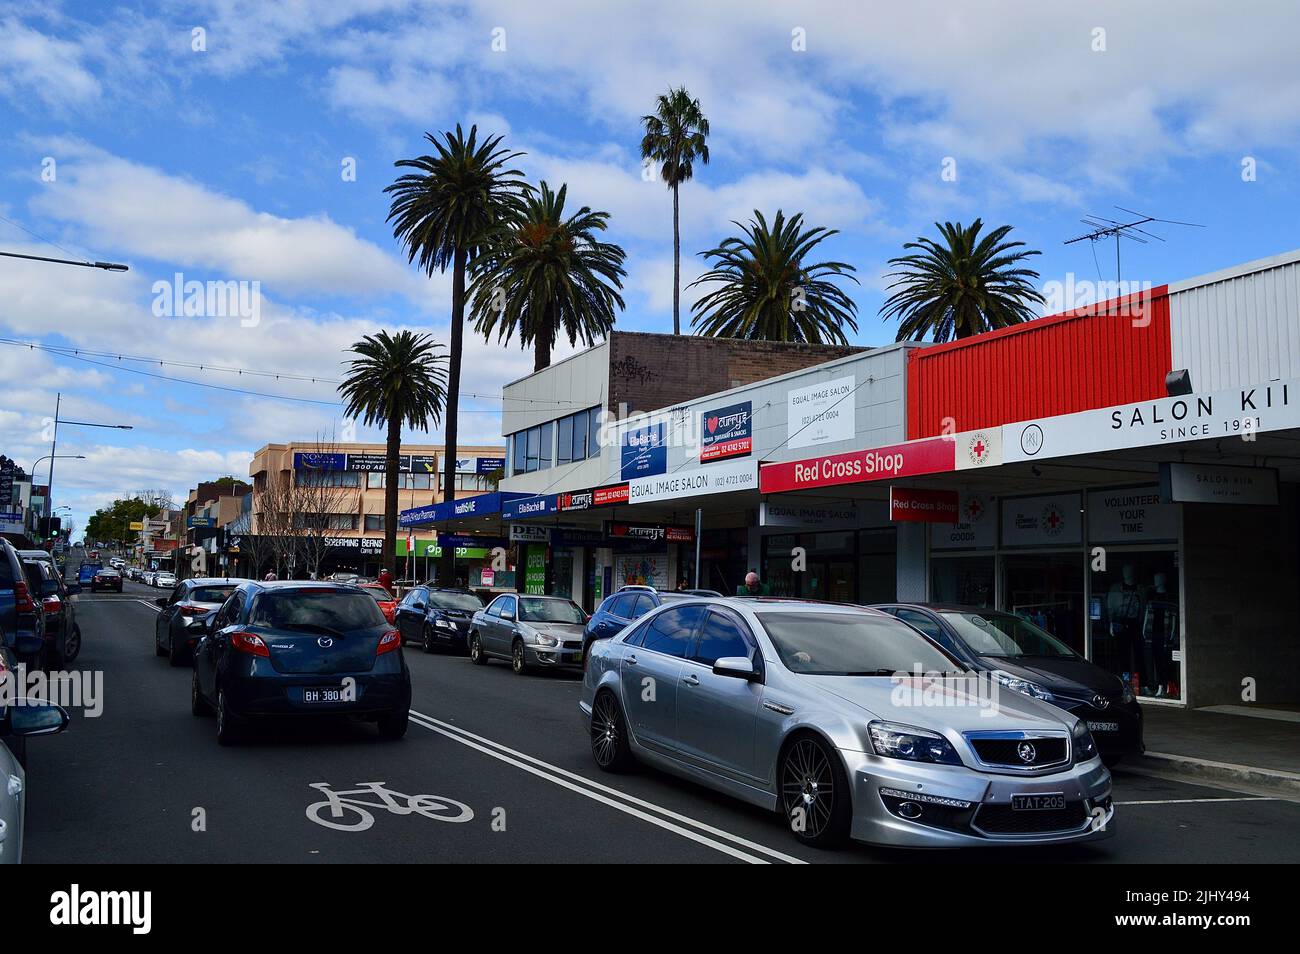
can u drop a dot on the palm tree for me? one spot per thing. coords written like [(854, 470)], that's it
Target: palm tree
[(961, 286), (442, 213), (674, 138), (395, 380), (544, 273), (766, 291)]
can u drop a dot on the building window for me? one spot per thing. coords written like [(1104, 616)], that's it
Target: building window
[(564, 441), (477, 482), (374, 522), (375, 480), (326, 521), (327, 478)]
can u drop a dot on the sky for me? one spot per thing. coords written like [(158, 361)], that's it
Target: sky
[(250, 142)]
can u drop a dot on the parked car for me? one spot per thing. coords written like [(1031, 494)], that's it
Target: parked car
[(87, 572), (384, 599), (433, 616), (163, 579), (622, 608), (1028, 660), (60, 635), (300, 648), (17, 724), (529, 631), (182, 615), (106, 579), (792, 706), (44, 556), (21, 619)]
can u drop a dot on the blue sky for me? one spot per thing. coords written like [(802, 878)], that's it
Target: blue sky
[(225, 164)]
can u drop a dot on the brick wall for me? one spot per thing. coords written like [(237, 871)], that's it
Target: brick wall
[(650, 371)]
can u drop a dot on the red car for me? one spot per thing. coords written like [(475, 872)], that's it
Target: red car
[(385, 600)]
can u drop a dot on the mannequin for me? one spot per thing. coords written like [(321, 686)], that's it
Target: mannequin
[(1160, 634), (1126, 607)]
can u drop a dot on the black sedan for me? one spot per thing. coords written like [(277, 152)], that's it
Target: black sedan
[(433, 617), (1027, 660), (106, 578), (300, 649)]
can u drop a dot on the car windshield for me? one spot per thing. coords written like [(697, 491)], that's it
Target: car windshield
[(456, 601), (1003, 635), (379, 594), (211, 594), (850, 644), (339, 610), (550, 611)]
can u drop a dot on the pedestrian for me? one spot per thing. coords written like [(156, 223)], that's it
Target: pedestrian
[(752, 586), (386, 579), (270, 575)]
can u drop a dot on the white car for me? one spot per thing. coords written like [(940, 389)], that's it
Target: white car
[(164, 579), (16, 725)]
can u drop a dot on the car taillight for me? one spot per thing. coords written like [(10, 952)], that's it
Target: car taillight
[(187, 610), (388, 642), (52, 605), (23, 598), (249, 643)]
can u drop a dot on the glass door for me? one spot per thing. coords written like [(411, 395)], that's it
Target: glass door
[(1047, 589)]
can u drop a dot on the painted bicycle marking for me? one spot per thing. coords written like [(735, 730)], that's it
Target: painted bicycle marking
[(349, 810)]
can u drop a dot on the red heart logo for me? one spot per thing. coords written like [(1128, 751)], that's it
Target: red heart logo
[(713, 424)]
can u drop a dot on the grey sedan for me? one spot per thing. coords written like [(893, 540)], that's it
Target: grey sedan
[(530, 631), (847, 722), (17, 723)]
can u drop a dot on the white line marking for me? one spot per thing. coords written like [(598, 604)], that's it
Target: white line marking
[(464, 736), (1197, 801)]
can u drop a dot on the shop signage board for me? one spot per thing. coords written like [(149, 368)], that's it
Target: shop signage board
[(779, 511), (982, 448), (529, 533), (932, 455), (424, 463), (650, 531), (200, 522), (478, 505), (605, 496), (1052, 520), (578, 501), (1171, 420), (821, 413), (490, 465), (1131, 514), (727, 432), (714, 479), (578, 537), (11, 522), (535, 506), (370, 546), (975, 529), (535, 571), (1218, 483), (644, 451), (920, 505)]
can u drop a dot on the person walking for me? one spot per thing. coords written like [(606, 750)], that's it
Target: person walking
[(386, 579), (270, 575)]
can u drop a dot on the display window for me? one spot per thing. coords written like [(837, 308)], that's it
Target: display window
[(964, 580), (1133, 614), (1047, 590)]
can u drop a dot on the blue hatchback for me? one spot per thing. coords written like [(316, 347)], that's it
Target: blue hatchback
[(628, 604), (300, 649)]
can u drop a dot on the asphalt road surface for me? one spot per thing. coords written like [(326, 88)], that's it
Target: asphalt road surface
[(507, 767)]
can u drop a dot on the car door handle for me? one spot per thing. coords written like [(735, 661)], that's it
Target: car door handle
[(631, 660), (691, 680)]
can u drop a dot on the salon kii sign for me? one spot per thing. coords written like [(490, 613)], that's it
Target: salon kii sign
[(933, 455)]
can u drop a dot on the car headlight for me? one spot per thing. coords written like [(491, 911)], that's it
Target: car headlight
[(544, 640), (1085, 747), (444, 623), (1023, 686), (906, 742)]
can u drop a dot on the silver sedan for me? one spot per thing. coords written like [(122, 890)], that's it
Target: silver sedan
[(847, 722)]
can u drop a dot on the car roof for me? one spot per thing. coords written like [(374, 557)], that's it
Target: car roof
[(216, 580), (947, 607)]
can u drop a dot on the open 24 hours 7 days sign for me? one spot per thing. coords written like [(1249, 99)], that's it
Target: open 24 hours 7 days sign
[(933, 455)]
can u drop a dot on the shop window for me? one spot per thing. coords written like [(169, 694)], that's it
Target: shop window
[(967, 580), (375, 521), (877, 565), (1047, 590), (1133, 615)]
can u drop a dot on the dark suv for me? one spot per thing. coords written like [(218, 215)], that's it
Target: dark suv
[(431, 616), (20, 614), (616, 611)]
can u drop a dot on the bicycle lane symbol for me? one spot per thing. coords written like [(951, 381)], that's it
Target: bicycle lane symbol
[(349, 810)]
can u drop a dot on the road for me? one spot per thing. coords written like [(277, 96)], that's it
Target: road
[(147, 782)]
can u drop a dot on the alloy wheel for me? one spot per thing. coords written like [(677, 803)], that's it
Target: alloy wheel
[(517, 657), (808, 786), (604, 731)]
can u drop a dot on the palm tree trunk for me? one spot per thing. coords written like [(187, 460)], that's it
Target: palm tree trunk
[(447, 562), (677, 266), (542, 344), (390, 492)]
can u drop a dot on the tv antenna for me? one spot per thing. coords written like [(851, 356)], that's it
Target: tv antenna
[(1104, 228)]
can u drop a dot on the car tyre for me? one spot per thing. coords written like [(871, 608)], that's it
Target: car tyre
[(1110, 761), (812, 778), (518, 661), (158, 648), (174, 656), (393, 727), (610, 746), (428, 639), (72, 648), (198, 705), (228, 730), (476, 654)]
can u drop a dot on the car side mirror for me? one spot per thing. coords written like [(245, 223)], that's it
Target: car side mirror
[(30, 717), (161, 601), (419, 606), (738, 667), (506, 614)]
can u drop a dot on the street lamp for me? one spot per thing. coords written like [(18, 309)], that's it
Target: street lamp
[(54, 440), (106, 266)]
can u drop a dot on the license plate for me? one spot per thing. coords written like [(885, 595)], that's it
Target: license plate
[(1038, 802), (322, 695), (1103, 726)]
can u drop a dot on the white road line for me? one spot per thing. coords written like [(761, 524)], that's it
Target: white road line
[(515, 757), (1197, 801)]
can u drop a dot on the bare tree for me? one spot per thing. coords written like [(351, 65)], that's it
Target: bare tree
[(317, 501), (275, 522)]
